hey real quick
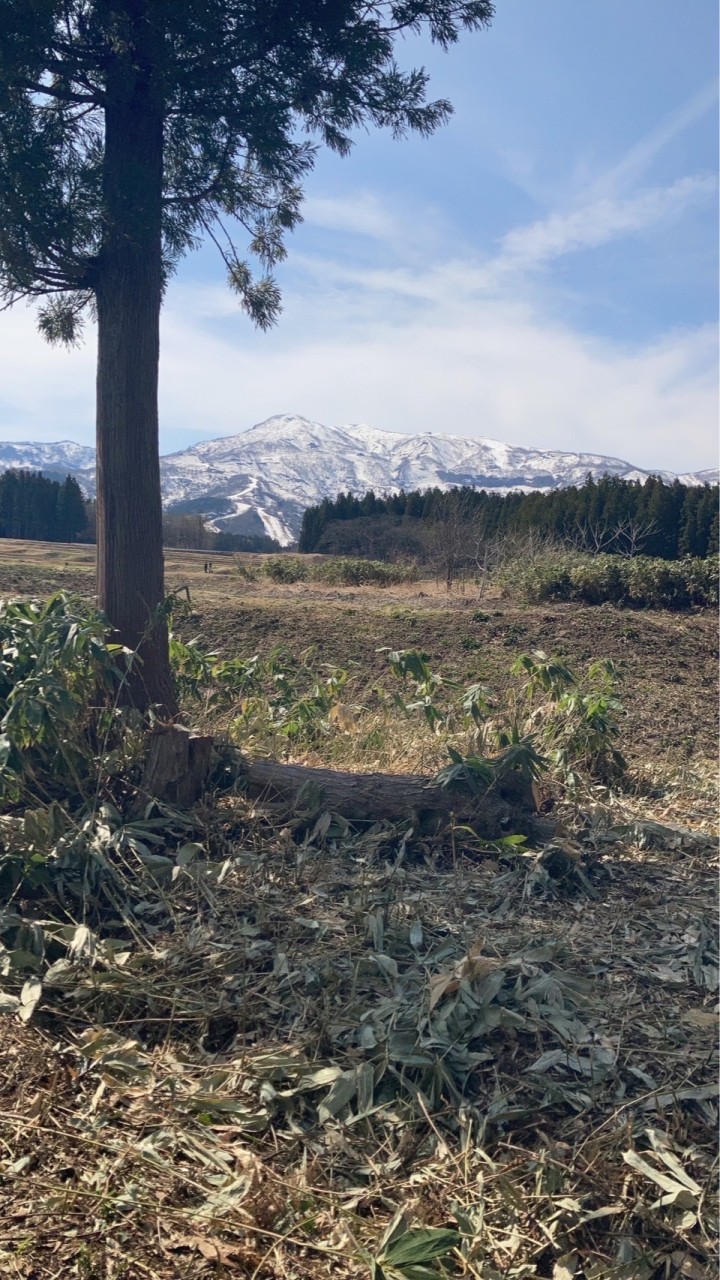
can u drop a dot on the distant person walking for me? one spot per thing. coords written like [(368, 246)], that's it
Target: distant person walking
[(206, 566)]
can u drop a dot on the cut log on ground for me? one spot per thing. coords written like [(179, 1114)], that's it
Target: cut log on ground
[(505, 808), (179, 766)]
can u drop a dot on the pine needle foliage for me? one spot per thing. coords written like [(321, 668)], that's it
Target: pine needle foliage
[(247, 91)]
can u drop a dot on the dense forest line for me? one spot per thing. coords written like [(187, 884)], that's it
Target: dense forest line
[(616, 516), (35, 507)]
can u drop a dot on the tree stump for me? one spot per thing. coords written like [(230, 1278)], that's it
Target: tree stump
[(177, 766)]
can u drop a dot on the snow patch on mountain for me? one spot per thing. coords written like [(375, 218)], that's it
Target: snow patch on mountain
[(262, 479), (63, 455)]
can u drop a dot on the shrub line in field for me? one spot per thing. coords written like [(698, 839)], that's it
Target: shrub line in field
[(604, 579)]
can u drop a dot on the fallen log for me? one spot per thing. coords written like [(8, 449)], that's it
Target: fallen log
[(506, 807), (179, 768)]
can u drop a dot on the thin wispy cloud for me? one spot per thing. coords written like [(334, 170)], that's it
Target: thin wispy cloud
[(525, 248), (600, 212), (362, 214), (584, 184), (638, 159), (599, 221)]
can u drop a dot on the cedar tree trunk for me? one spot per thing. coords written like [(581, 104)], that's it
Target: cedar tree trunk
[(128, 294)]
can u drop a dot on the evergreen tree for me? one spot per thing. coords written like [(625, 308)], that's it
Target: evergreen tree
[(414, 506), (714, 530), (660, 513), (368, 505), (71, 517), (614, 515), (19, 517), (689, 530), (31, 505), (8, 490), (131, 128), (42, 509), (707, 522)]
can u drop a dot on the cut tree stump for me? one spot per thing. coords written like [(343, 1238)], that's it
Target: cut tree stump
[(177, 766)]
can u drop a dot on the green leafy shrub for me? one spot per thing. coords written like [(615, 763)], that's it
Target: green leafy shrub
[(597, 579), (411, 666), (341, 571), (56, 671), (68, 751), (207, 677), (271, 699), (338, 571), (247, 572), (671, 584), (286, 569), (283, 699), (641, 581), (544, 577), (551, 721), (192, 667), (575, 718)]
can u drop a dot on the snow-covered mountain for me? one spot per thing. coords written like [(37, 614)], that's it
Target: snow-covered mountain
[(261, 480), (55, 460)]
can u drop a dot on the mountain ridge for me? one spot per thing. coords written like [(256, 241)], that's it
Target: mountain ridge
[(261, 480)]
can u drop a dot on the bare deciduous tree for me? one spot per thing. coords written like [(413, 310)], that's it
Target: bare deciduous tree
[(456, 537), (626, 536)]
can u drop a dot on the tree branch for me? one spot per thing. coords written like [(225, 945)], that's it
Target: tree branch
[(65, 95), (183, 201)]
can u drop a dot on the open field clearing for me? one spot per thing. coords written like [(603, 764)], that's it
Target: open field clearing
[(241, 1041), (667, 661)]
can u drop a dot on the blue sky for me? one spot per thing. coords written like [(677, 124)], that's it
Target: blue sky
[(541, 271)]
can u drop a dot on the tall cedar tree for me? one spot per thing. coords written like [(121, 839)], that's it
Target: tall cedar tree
[(132, 129)]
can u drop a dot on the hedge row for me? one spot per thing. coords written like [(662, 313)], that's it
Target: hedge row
[(640, 581), (338, 571)]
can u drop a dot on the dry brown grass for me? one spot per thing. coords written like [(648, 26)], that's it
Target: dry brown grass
[(176, 1111), (254, 1061)]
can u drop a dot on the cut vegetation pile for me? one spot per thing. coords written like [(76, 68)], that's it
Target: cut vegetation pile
[(242, 1042)]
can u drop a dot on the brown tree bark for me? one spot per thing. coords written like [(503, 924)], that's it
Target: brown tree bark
[(506, 808), (128, 291), (179, 764)]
